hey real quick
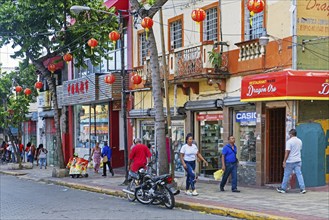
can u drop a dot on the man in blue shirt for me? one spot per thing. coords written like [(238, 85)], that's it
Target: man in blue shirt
[(107, 151), (229, 164)]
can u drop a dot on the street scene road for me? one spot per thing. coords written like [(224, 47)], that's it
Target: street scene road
[(23, 199)]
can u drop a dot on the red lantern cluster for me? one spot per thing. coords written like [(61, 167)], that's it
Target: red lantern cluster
[(255, 6), (136, 79), (198, 15), (27, 91), (147, 24), (38, 85), (52, 67), (114, 36), (109, 79), (18, 89), (67, 57)]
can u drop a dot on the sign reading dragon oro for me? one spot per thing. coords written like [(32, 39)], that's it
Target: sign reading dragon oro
[(286, 85)]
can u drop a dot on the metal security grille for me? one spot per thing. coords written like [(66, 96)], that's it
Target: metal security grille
[(210, 26), (142, 48), (176, 40), (253, 25), (276, 143)]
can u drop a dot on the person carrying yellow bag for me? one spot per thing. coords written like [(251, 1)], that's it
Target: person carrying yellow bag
[(218, 174)]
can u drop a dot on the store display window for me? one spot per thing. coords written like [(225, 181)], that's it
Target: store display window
[(246, 122), (177, 135), (211, 141), (91, 125), (178, 140)]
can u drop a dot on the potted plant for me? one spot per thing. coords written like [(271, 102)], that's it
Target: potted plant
[(215, 58)]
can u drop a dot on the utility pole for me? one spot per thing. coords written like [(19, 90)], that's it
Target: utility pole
[(123, 101), (166, 87)]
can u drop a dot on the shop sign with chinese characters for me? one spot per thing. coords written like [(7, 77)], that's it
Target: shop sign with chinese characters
[(78, 91)]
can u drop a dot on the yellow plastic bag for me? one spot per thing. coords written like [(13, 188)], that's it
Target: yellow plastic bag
[(218, 174)]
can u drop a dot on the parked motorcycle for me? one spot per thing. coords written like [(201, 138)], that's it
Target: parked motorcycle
[(155, 190), (134, 181)]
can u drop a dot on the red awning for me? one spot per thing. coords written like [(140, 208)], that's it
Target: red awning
[(118, 4), (286, 85)]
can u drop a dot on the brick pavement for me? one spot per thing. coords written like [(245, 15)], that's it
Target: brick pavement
[(251, 203)]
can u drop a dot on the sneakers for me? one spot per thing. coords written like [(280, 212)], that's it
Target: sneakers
[(235, 191), (302, 191), (280, 190), (188, 192), (221, 189), (194, 193)]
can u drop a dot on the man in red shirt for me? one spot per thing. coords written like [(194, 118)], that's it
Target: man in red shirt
[(139, 156)]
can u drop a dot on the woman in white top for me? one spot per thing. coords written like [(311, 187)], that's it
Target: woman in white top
[(188, 154)]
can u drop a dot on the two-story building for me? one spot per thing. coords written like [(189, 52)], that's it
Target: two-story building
[(211, 100)]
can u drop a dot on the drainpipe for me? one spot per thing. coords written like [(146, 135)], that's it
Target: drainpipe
[(294, 55)]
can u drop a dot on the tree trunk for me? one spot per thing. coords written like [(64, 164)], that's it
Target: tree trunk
[(52, 88), (13, 142), (158, 105)]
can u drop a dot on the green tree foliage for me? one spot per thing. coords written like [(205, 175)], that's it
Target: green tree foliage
[(44, 29), (12, 114)]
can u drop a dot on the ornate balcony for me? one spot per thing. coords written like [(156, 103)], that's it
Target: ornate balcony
[(188, 66)]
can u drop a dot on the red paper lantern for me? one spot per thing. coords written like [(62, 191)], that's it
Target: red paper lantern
[(27, 91), (114, 36), (259, 6), (18, 89), (38, 85), (52, 67), (255, 6), (92, 43), (67, 57), (147, 24), (109, 79), (137, 79), (198, 15)]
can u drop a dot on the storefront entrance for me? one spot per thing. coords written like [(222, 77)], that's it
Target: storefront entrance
[(275, 146)]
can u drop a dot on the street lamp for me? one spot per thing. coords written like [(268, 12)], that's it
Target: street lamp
[(77, 9)]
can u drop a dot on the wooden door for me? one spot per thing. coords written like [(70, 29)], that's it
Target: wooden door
[(275, 135)]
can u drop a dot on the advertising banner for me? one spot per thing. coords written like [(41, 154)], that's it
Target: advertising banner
[(286, 85)]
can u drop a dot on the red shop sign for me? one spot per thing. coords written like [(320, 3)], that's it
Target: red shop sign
[(210, 117), (286, 85)]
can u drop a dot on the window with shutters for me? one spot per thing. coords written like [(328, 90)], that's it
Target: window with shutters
[(253, 25), (210, 25), (176, 32), (142, 48)]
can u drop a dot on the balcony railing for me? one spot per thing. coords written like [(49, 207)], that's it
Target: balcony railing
[(250, 50), (188, 62)]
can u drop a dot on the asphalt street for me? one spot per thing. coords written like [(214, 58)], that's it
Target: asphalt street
[(24, 199)]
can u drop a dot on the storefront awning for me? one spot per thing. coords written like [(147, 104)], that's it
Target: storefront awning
[(286, 85)]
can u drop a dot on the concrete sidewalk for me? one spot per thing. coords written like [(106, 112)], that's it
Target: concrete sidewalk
[(251, 203)]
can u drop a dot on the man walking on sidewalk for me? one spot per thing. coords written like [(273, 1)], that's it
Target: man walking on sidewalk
[(292, 162), (107, 155), (230, 165)]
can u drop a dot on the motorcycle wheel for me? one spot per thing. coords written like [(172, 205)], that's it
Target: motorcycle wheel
[(131, 187), (141, 196), (169, 199)]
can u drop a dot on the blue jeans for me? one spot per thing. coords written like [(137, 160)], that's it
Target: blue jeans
[(297, 167), (230, 169), (42, 162), (190, 178)]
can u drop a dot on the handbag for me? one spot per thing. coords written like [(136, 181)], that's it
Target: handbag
[(105, 159), (218, 174)]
